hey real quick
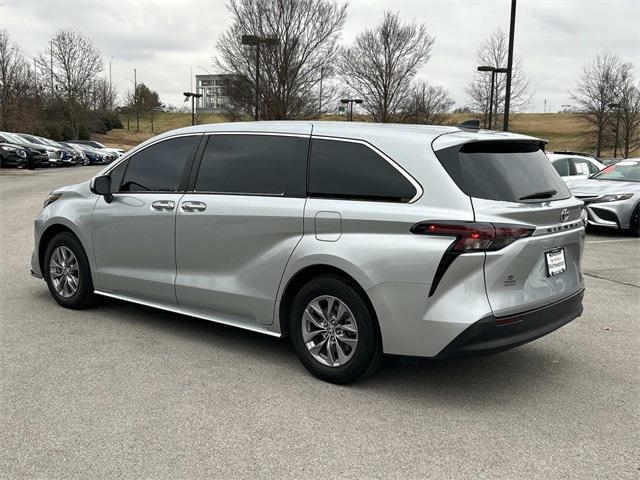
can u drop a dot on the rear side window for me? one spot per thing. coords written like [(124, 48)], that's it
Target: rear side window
[(504, 171), (581, 166), (339, 169), (562, 167), (253, 164), (158, 168)]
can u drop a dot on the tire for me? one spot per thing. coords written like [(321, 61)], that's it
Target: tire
[(58, 248), (635, 221), (363, 359)]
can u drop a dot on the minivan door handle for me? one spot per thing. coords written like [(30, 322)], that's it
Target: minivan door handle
[(163, 205), (193, 206)]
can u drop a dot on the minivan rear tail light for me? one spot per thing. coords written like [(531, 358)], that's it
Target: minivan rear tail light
[(474, 236), (469, 237)]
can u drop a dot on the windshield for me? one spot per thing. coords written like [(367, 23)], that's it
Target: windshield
[(16, 138), (503, 170), (31, 139), (624, 171)]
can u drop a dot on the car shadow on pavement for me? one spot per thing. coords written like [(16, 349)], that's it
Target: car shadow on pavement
[(511, 376)]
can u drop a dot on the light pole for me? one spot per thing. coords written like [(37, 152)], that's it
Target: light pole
[(493, 70), (615, 147), (351, 101), (193, 97), (256, 41), (507, 93)]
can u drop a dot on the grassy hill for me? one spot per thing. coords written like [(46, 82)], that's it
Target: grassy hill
[(565, 131)]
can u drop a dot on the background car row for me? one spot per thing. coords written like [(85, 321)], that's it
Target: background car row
[(21, 150)]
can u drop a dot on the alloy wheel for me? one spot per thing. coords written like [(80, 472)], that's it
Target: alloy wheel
[(329, 331), (64, 271)]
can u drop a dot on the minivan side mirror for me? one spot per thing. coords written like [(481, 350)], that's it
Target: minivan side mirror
[(102, 186)]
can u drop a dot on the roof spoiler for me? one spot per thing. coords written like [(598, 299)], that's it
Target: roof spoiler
[(470, 124)]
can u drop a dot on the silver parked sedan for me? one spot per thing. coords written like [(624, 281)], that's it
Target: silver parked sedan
[(355, 240), (612, 197)]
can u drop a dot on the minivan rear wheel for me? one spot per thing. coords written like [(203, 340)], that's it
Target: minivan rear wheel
[(333, 332), (67, 273)]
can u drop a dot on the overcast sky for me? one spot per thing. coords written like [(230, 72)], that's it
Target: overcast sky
[(164, 40)]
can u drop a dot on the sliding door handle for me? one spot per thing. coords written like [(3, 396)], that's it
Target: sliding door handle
[(193, 206)]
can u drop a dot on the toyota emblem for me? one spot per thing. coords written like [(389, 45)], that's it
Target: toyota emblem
[(564, 215)]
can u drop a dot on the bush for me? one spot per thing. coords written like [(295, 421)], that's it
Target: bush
[(84, 133)]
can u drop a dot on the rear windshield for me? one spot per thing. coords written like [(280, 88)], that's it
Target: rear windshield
[(505, 171)]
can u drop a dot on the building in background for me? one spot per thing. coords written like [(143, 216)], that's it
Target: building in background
[(212, 87)]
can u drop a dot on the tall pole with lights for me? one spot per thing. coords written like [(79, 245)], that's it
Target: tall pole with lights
[(256, 41)]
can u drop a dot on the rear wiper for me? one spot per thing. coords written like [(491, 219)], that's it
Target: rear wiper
[(544, 194)]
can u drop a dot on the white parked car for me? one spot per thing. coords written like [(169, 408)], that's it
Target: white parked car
[(574, 166)]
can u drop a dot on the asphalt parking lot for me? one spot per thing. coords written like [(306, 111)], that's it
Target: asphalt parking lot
[(124, 391)]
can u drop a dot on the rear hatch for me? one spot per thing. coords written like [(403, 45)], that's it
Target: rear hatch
[(512, 184)]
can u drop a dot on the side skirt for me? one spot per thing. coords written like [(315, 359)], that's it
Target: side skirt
[(253, 327)]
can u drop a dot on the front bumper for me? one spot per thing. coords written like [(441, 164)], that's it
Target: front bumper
[(496, 334)]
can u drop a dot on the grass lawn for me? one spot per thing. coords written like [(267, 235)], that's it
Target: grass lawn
[(564, 131)]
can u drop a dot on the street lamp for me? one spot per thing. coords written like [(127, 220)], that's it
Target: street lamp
[(615, 147), (193, 97), (256, 41), (351, 101), (493, 70)]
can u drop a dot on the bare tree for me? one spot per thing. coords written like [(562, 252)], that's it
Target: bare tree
[(307, 31), (627, 91), (14, 83), (426, 104), (596, 90), (72, 63), (104, 97), (383, 61), (493, 52)]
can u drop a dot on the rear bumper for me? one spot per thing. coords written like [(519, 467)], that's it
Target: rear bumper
[(495, 334)]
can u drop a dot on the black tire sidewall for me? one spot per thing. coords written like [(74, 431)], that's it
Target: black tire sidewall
[(369, 345), (84, 295), (635, 221)]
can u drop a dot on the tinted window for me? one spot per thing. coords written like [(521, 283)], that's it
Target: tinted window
[(253, 164), (355, 171), (562, 167), (506, 171), (158, 168), (117, 174)]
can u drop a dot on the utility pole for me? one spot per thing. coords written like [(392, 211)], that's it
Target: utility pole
[(494, 71), (193, 110), (351, 101), (507, 98), (256, 41), (135, 96)]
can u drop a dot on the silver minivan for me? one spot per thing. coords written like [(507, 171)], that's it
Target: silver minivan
[(354, 240)]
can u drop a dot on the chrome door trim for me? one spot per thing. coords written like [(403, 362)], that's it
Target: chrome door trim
[(193, 206), (402, 171), (163, 205), (270, 134), (216, 318)]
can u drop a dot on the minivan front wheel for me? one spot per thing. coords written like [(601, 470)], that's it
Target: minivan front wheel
[(67, 272), (333, 332)]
